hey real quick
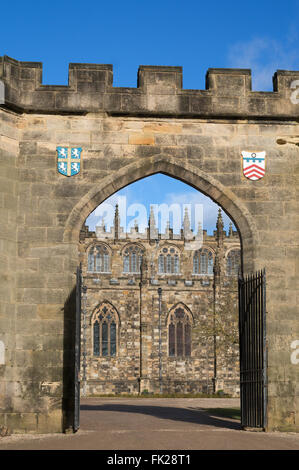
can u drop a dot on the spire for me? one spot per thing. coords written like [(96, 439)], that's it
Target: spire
[(187, 232), (219, 224), (153, 232), (166, 235), (230, 232), (219, 227), (101, 229), (186, 223), (152, 220), (116, 223), (199, 234)]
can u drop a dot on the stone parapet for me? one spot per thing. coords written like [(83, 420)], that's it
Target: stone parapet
[(159, 92)]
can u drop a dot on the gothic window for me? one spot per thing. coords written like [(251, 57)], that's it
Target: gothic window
[(203, 262), (179, 332), (233, 263), (132, 257), (105, 331), (176, 264), (98, 259), (161, 264), (196, 263), (168, 264), (126, 263), (90, 263), (169, 261)]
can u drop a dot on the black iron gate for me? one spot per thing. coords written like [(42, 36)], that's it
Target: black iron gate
[(253, 350), (77, 350)]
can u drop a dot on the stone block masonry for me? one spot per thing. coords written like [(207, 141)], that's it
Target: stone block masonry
[(187, 286), (126, 134), (90, 89)]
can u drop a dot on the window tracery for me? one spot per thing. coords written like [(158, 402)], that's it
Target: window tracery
[(98, 259), (203, 262), (105, 326), (169, 260), (132, 258), (179, 332)]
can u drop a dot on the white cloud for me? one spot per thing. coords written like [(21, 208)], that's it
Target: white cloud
[(210, 208), (130, 210), (95, 217), (264, 56)]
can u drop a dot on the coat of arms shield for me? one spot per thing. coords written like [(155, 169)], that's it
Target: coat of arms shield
[(69, 160), (254, 165)]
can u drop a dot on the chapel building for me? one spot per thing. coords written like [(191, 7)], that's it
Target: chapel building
[(159, 310)]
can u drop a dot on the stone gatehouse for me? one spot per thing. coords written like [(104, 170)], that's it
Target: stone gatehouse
[(121, 310), (126, 134)]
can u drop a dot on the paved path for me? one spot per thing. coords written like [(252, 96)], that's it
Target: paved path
[(154, 424)]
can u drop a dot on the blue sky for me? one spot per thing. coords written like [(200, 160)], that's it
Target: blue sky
[(157, 190), (261, 35)]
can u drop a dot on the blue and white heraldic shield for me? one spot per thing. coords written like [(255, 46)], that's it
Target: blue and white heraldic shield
[(69, 160)]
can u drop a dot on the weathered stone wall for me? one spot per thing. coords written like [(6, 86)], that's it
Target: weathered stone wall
[(194, 374), (126, 134), (228, 92), (10, 363), (120, 374)]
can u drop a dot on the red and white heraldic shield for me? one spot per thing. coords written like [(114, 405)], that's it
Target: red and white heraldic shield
[(254, 165)]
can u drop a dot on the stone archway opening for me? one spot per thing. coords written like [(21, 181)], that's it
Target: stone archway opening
[(227, 202), (96, 257), (184, 172)]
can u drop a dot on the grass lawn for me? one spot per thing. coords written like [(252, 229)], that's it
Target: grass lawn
[(233, 413), (160, 395)]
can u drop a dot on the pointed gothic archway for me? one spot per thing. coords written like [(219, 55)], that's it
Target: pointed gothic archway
[(185, 173)]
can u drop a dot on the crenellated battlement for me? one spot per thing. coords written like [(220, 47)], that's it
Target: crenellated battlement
[(159, 92)]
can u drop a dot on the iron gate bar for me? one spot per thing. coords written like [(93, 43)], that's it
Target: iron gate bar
[(265, 352), (253, 358), (77, 349)]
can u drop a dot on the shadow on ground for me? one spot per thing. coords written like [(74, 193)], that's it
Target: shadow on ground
[(199, 416)]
